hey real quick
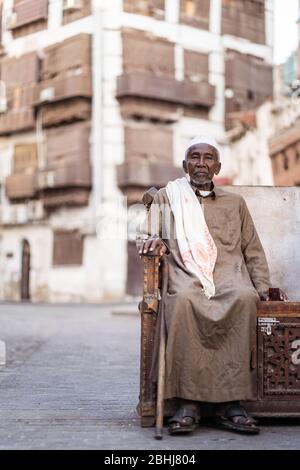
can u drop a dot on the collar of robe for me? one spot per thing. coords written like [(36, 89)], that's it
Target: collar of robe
[(204, 194)]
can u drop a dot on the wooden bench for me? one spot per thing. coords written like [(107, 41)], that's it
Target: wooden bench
[(276, 368)]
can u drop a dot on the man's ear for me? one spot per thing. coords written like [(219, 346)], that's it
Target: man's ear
[(218, 168), (184, 166)]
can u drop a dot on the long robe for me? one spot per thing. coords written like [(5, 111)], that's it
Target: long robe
[(209, 342)]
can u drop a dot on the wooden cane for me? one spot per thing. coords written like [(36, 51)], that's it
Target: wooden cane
[(161, 380), (161, 364)]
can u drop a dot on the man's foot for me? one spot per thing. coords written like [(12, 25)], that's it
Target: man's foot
[(186, 419), (234, 417)]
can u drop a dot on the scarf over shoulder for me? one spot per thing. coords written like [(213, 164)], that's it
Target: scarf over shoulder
[(196, 245)]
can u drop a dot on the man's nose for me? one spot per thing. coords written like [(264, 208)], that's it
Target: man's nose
[(201, 161)]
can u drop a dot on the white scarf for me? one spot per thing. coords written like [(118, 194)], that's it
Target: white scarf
[(196, 245)]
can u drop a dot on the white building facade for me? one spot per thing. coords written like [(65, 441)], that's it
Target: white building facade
[(107, 127)]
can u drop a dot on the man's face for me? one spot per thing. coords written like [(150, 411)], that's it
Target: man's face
[(202, 163)]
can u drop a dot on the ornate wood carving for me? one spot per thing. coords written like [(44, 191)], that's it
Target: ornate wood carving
[(279, 358)]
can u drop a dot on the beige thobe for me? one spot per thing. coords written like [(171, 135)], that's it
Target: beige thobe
[(209, 342)]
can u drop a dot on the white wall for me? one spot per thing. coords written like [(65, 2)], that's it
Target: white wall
[(280, 240)]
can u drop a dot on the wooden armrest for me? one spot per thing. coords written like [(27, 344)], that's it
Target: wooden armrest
[(151, 254), (278, 309)]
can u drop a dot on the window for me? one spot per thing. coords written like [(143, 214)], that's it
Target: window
[(189, 8), (67, 248), (25, 158), (195, 66), (245, 19), (30, 16), (195, 13), (75, 9), (285, 161), (155, 8), (20, 75), (147, 54), (251, 81), (250, 95)]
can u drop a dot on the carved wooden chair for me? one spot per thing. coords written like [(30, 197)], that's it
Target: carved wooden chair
[(276, 365)]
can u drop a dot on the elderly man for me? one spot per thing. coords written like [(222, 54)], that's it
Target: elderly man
[(217, 274)]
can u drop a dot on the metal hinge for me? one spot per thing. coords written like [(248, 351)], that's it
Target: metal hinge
[(266, 324)]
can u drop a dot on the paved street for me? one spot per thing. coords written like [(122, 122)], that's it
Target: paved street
[(71, 382)]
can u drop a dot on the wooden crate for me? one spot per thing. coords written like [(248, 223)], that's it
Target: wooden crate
[(278, 360)]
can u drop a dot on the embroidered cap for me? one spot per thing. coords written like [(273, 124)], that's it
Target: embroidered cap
[(203, 139)]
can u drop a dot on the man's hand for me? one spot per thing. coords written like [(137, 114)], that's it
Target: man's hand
[(151, 245), (265, 296)]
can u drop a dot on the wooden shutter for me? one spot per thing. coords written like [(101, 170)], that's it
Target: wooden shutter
[(22, 183), (67, 145), (195, 13), (66, 74), (67, 248), (67, 158), (195, 65), (145, 53), (73, 54), (155, 8), (20, 76), (245, 19), (250, 79), (29, 11), (150, 144), (21, 70), (75, 14), (31, 16), (25, 158)]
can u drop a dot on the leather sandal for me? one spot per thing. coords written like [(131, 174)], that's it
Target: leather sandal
[(235, 418), (185, 420)]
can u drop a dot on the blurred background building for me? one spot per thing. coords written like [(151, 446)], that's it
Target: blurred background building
[(97, 101)]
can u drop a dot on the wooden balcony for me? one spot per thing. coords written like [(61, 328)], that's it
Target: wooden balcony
[(141, 173), (66, 176), (184, 93), (72, 197), (18, 120), (63, 88), (20, 186)]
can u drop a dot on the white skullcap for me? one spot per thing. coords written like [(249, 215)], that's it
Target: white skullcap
[(203, 139)]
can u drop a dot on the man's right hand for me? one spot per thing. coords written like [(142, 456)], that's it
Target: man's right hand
[(151, 245)]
